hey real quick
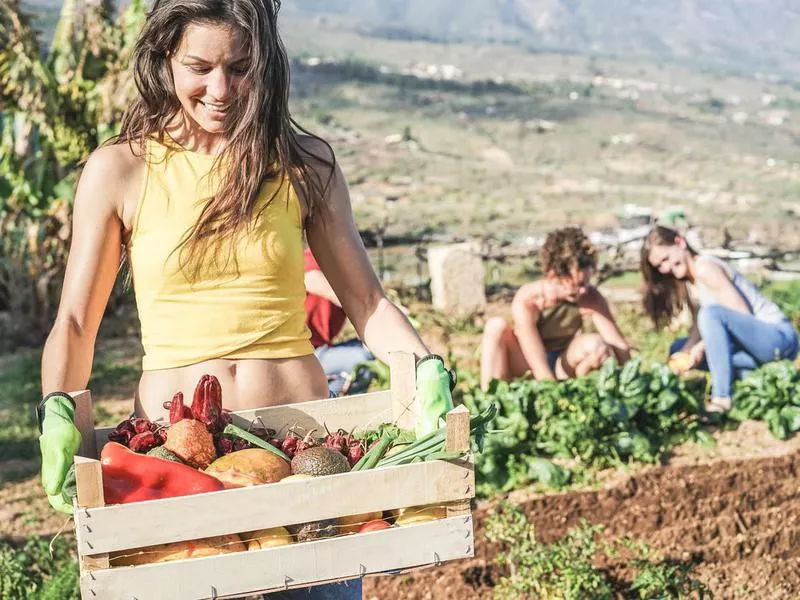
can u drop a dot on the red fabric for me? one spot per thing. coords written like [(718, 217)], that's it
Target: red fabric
[(323, 317)]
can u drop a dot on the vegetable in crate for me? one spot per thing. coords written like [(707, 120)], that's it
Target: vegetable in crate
[(253, 466), (353, 523), (222, 544), (140, 435), (267, 538), (344, 442), (375, 525), (315, 530), (161, 452), (131, 477), (206, 405), (320, 461), (191, 441), (418, 514)]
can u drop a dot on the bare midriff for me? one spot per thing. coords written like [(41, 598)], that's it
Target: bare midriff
[(246, 383)]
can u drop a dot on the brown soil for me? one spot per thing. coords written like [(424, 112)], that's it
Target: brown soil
[(741, 518)]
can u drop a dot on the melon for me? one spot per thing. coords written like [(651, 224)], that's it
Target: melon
[(252, 466)]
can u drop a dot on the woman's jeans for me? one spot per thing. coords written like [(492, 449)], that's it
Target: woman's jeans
[(736, 343), (345, 590), (338, 362)]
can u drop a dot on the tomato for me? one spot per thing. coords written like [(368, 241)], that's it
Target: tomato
[(374, 525)]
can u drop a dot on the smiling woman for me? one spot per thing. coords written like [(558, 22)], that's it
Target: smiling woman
[(735, 327), (209, 192), (208, 69)]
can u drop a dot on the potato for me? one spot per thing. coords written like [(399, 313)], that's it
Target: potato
[(418, 514), (267, 538)]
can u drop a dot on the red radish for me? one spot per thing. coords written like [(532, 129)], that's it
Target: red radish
[(354, 454), (374, 525)]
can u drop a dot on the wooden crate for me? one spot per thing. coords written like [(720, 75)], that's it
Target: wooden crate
[(103, 529)]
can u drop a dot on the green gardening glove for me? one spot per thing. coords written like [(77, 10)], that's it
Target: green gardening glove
[(434, 386), (58, 443)]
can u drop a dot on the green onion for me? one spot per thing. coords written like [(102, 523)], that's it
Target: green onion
[(360, 463), (370, 459), (378, 450), (434, 443), (231, 429)]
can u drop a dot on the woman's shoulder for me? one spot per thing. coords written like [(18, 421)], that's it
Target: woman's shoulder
[(709, 269), (531, 294), (111, 178), (116, 163)]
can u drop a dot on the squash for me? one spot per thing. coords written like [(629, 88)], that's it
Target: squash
[(252, 466)]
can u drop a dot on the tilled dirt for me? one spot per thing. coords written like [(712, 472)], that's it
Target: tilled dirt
[(741, 518)]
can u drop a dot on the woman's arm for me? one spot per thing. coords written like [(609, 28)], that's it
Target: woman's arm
[(525, 312), (596, 304), (336, 244), (92, 267), (317, 284)]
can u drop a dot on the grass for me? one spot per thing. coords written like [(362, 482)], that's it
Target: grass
[(38, 569), (20, 390)]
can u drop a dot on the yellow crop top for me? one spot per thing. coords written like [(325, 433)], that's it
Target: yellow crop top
[(253, 308)]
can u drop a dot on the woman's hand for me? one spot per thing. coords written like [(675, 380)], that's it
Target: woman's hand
[(58, 443), (697, 354), (686, 360), (434, 393)]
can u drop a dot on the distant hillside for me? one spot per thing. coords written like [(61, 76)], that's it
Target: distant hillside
[(742, 34), (738, 34)]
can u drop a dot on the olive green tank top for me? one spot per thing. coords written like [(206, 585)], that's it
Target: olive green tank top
[(558, 324)]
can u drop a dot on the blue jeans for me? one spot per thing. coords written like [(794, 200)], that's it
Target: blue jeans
[(552, 359), (339, 360), (345, 590), (736, 343)]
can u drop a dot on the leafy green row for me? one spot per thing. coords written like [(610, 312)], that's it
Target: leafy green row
[(770, 394), (611, 417)]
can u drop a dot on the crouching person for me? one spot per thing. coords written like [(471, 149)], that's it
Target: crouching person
[(545, 337)]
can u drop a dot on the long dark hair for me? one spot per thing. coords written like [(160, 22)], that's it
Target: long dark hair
[(664, 295), (261, 134)]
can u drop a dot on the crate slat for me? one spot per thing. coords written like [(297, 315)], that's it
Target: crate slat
[(360, 411), (89, 483), (84, 422), (114, 528), (296, 565)]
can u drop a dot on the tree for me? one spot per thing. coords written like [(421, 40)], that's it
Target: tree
[(55, 108)]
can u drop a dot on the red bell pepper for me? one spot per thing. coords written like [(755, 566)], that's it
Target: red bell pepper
[(131, 477)]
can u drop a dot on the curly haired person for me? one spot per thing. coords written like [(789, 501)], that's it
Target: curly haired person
[(545, 337)]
